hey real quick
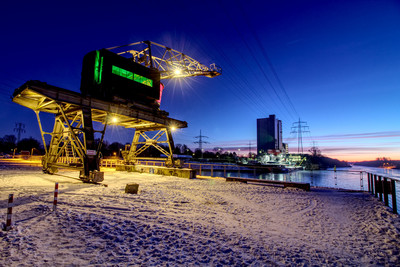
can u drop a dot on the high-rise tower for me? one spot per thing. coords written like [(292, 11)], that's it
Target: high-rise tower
[(269, 134)]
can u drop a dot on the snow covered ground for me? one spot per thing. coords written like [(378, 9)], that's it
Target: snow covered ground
[(177, 221)]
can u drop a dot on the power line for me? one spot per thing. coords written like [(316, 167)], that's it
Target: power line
[(256, 61), (253, 96), (244, 91), (264, 52)]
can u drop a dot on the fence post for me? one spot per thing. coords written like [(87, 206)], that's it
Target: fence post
[(375, 187), (200, 169), (372, 184), (369, 182), (9, 212), (385, 191), (254, 173), (224, 171), (212, 170), (55, 197), (380, 188), (362, 181), (394, 199)]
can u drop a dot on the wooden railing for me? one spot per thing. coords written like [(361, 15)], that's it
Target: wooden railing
[(381, 187)]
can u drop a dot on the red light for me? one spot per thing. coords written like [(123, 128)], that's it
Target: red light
[(161, 90)]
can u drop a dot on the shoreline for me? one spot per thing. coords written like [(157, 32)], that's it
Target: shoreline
[(178, 221)]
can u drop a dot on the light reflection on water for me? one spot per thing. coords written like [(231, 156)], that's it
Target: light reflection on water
[(354, 178)]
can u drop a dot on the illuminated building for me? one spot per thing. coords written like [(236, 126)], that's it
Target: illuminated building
[(285, 148), (269, 134)]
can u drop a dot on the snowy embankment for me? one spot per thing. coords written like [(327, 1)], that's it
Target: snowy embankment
[(179, 221)]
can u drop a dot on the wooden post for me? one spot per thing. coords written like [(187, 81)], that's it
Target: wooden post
[(224, 171), (385, 191), (394, 199), (9, 212), (380, 187), (375, 188), (372, 184), (212, 170), (369, 181), (55, 197)]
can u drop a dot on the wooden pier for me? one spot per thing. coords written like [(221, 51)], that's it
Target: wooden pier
[(304, 186)]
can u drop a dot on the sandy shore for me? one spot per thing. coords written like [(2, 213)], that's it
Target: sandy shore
[(176, 221)]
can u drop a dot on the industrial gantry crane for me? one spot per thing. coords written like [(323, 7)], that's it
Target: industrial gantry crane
[(170, 64), (115, 90)]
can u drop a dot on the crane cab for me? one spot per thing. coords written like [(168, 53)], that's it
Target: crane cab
[(111, 77)]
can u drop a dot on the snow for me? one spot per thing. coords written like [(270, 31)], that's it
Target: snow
[(177, 221)]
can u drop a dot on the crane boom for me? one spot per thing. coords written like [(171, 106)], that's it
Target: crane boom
[(169, 62)]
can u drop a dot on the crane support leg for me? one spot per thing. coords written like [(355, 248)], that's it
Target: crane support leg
[(161, 136), (91, 167), (72, 144)]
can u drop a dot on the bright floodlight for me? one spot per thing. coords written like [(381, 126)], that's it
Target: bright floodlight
[(173, 128), (177, 71), (114, 119)]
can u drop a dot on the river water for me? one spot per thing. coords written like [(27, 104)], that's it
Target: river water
[(354, 178)]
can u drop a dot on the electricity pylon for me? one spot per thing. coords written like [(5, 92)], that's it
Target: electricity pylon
[(19, 128), (201, 142), (299, 128)]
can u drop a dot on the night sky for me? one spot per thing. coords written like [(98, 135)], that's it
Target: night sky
[(333, 64)]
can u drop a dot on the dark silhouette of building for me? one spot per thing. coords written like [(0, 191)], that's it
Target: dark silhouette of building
[(269, 134)]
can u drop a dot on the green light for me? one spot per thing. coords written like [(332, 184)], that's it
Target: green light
[(143, 80), (101, 69), (98, 67), (121, 72), (131, 76)]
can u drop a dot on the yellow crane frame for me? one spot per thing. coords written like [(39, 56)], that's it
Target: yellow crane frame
[(73, 131)]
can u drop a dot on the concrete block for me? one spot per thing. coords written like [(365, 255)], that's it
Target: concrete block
[(96, 176), (120, 168), (132, 188)]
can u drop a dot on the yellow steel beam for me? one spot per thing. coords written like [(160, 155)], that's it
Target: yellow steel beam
[(42, 97)]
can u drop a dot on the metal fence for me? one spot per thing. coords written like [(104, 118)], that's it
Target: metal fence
[(111, 163)]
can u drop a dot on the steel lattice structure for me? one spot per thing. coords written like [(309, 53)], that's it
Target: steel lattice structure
[(169, 62), (72, 142)]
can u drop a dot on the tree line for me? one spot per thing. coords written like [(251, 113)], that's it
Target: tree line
[(9, 145)]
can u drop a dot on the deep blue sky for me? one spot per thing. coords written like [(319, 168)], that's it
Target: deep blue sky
[(337, 64)]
